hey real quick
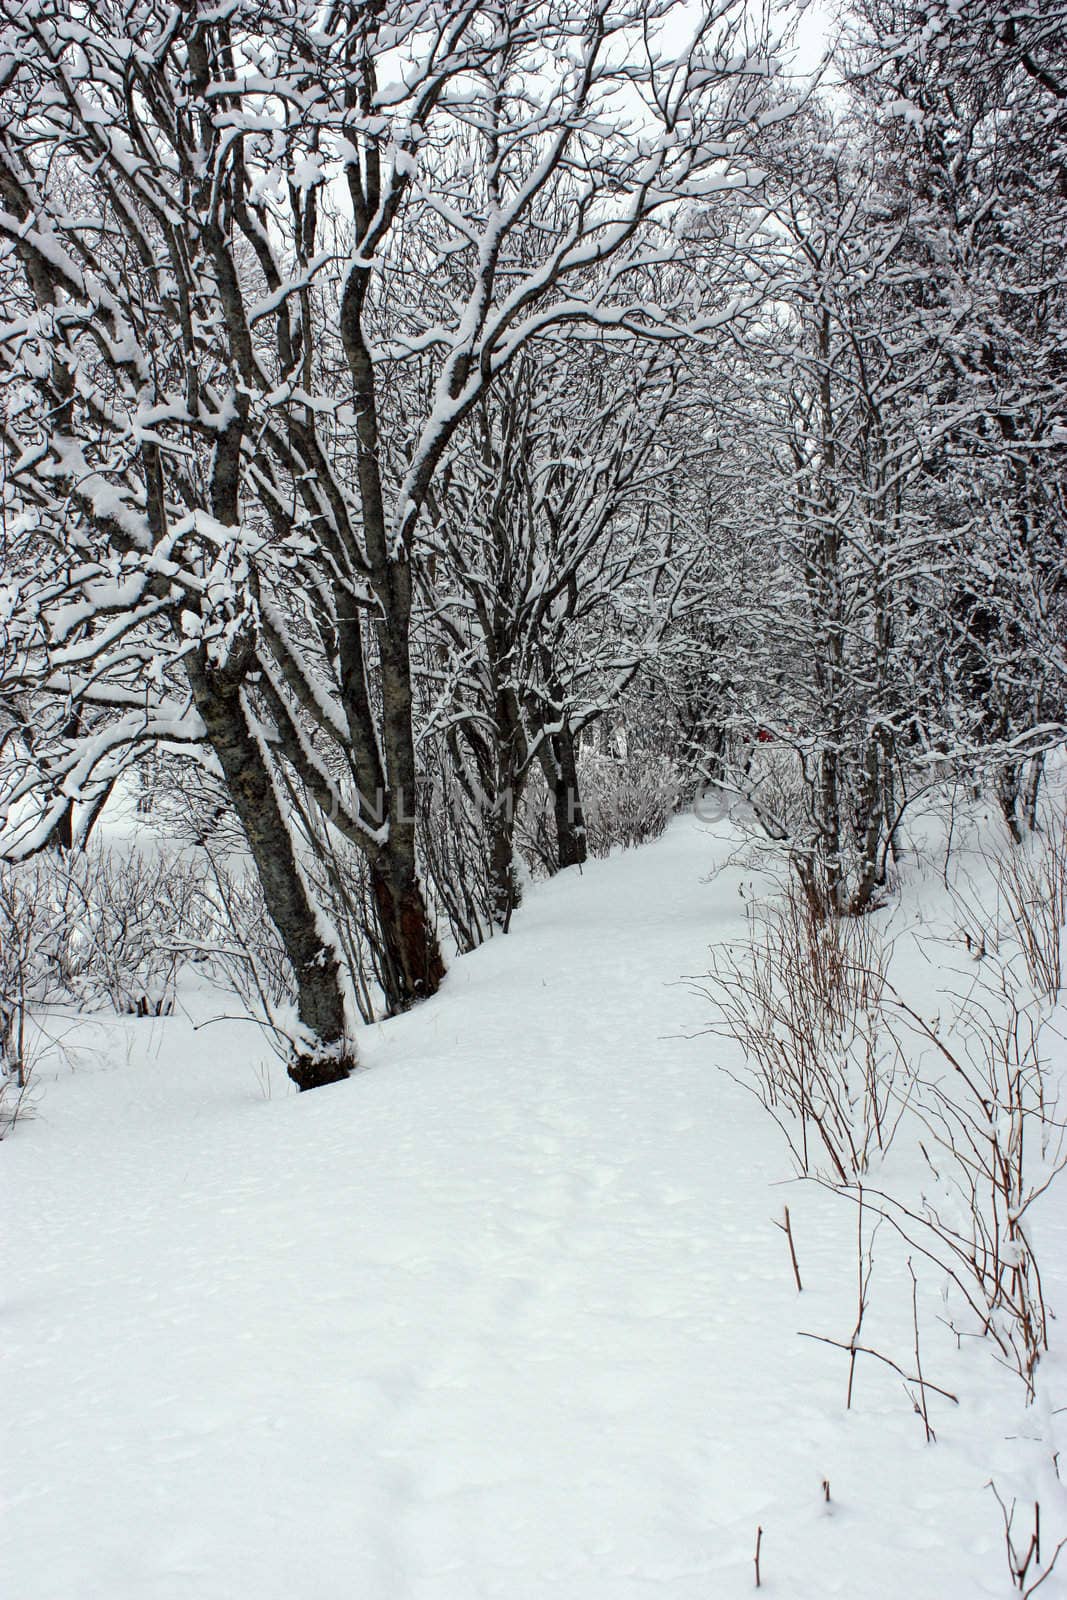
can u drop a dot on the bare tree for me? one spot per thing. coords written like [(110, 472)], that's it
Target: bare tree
[(968, 106), (555, 574), (227, 236)]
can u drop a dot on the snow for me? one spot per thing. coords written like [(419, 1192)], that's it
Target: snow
[(506, 1315)]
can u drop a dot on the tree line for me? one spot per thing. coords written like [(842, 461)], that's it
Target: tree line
[(398, 396)]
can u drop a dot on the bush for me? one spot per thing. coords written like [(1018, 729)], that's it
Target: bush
[(627, 801), (95, 929)]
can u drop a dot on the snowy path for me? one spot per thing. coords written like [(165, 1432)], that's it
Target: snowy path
[(505, 1316)]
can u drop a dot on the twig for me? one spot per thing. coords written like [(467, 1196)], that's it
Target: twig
[(922, 1406), (1034, 1587), (863, 1281), (865, 1350), (787, 1229)]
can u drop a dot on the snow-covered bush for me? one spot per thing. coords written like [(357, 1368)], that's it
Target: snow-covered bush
[(535, 833), (623, 800), (236, 945), (129, 915), (110, 929), (88, 930), (27, 925), (94, 929), (627, 800), (456, 839), (341, 879)]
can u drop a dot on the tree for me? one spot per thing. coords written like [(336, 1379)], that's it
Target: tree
[(553, 538), (835, 418), (969, 104), (229, 233)]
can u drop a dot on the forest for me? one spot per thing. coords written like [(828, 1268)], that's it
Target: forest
[(531, 530)]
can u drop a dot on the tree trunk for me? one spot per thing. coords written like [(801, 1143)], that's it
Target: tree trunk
[(61, 837), (1032, 792), (1008, 785), (560, 766), (870, 824), (504, 886), (325, 1055), (509, 780), (414, 966), (828, 818)]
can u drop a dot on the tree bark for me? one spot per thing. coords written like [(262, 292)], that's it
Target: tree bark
[(414, 963), (504, 886), (560, 765), (509, 775), (325, 1055), (409, 942)]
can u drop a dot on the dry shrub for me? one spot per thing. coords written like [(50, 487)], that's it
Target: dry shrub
[(991, 1139), (1031, 880), (842, 1060), (803, 1001)]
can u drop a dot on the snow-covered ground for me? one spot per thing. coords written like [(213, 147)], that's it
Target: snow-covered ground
[(504, 1317)]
